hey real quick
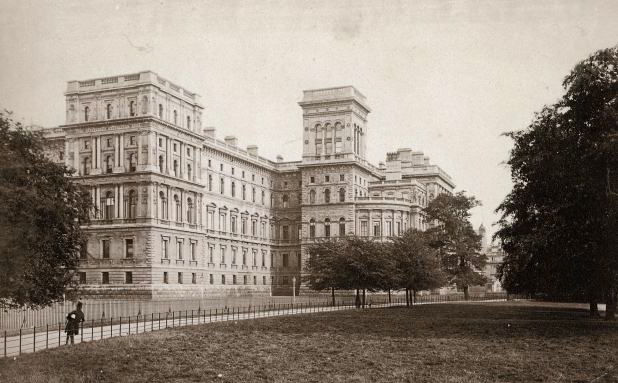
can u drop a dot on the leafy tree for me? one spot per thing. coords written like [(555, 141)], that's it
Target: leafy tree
[(41, 211), (558, 224), (326, 266), (417, 263), (453, 236)]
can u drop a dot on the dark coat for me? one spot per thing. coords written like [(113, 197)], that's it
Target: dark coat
[(74, 318)]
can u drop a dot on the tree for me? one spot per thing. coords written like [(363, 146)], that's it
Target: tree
[(351, 263), (457, 243), (41, 211), (417, 263), (326, 266), (558, 224)]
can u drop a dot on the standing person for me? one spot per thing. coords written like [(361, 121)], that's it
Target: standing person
[(74, 318)]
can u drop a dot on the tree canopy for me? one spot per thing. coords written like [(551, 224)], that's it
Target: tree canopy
[(452, 235), (41, 211), (558, 224)]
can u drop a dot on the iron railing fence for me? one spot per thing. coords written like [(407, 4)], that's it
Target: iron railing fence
[(51, 335)]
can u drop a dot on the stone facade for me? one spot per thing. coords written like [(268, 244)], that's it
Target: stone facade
[(180, 213)]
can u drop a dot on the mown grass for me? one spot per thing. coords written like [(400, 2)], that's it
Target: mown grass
[(498, 342)]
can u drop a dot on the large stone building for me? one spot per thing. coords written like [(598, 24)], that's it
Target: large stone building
[(182, 213)]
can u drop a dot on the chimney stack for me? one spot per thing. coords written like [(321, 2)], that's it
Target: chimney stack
[(252, 150), (231, 140)]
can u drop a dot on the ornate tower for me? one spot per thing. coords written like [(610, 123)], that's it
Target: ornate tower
[(334, 123)]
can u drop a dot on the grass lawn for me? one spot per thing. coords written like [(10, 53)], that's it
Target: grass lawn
[(492, 342)]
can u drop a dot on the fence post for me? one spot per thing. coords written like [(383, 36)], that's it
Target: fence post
[(19, 341), (92, 330), (210, 315), (173, 319), (129, 324), (5, 343), (192, 317), (46, 336), (59, 324), (120, 326), (34, 339)]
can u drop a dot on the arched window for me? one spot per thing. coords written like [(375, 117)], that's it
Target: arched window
[(132, 203), (312, 196), (342, 195), (162, 206), (285, 200), (161, 162), (327, 196), (175, 118), (327, 227), (244, 192), (175, 168), (132, 162), (86, 166), (312, 228), (86, 113), (108, 111), (109, 164), (177, 210), (189, 173), (161, 111), (188, 122), (233, 189), (341, 227), (189, 210), (132, 108), (109, 205), (253, 195), (318, 141)]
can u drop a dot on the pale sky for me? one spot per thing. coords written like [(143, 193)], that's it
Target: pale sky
[(443, 77)]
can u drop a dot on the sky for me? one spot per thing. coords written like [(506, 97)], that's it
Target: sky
[(443, 77)]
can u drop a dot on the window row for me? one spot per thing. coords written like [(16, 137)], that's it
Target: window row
[(326, 196), (327, 228)]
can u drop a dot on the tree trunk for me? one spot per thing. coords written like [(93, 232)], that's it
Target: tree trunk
[(363, 298), (407, 298), (332, 291), (357, 301), (594, 307), (466, 292), (389, 296), (610, 304)]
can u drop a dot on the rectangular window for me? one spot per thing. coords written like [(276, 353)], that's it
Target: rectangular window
[(244, 257), (285, 260), (389, 228), (180, 278), (128, 248), (83, 250), (244, 279), (105, 278), (234, 279), (105, 245), (312, 180), (131, 140), (128, 277), (233, 255), (221, 167), (160, 142), (341, 177), (254, 280), (82, 277), (398, 228), (211, 251), (223, 279), (164, 248), (165, 277), (326, 178), (193, 255), (221, 185), (264, 280), (179, 250), (232, 170), (193, 278), (211, 279), (175, 147), (223, 254), (286, 232), (364, 228), (376, 229)]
